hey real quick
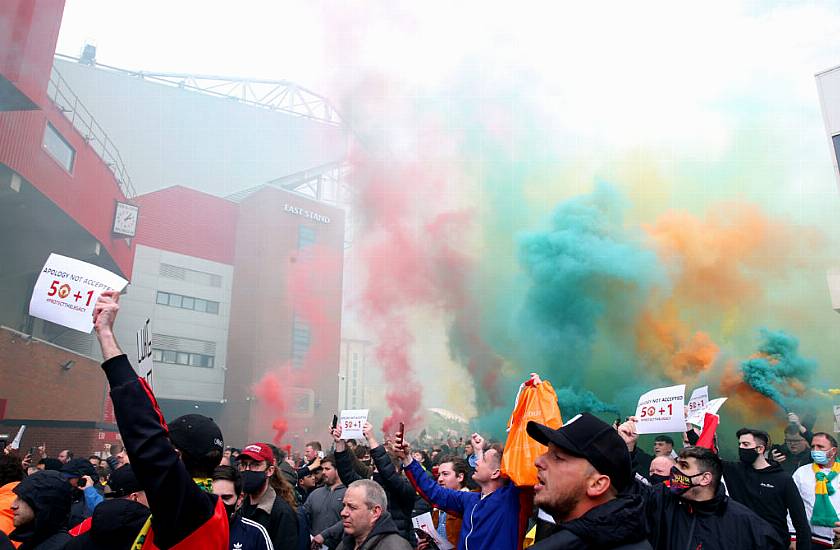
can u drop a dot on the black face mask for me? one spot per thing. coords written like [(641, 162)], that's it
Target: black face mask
[(253, 482), (656, 478), (230, 509), (747, 456)]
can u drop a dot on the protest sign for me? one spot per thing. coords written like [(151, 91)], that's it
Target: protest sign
[(424, 523), (696, 406), (67, 289), (352, 421), (661, 411)]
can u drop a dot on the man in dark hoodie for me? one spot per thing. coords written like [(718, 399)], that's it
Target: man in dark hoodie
[(41, 509), (86, 496), (118, 521), (581, 477), (398, 489), (367, 524), (693, 511), (764, 487)]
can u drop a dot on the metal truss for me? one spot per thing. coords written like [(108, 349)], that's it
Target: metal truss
[(326, 183), (273, 95)]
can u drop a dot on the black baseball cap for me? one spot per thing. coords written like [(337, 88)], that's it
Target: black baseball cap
[(589, 437), (123, 482), (196, 435)]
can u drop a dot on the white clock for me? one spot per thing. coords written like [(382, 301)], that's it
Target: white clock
[(125, 219)]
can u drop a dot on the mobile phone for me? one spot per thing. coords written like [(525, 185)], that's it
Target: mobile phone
[(334, 422), (402, 434), (32, 451)]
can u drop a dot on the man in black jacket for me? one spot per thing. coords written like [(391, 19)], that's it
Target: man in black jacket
[(692, 510), (173, 463), (580, 479), (400, 492), (262, 503), (765, 488), (41, 509)]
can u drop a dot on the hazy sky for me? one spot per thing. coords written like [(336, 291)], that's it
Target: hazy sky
[(725, 89)]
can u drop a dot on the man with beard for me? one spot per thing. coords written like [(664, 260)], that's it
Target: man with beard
[(693, 511), (262, 503), (581, 476), (322, 509)]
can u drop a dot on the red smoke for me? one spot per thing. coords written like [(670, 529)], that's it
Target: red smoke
[(412, 252)]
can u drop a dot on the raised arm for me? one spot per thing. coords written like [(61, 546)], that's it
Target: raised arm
[(428, 488), (178, 506)]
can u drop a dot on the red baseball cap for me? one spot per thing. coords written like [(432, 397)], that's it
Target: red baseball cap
[(258, 451)]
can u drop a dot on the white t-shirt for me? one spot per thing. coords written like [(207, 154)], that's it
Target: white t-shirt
[(807, 484)]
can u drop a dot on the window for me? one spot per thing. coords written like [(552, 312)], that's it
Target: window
[(58, 148), (183, 358), (300, 342), (306, 236), (187, 302)]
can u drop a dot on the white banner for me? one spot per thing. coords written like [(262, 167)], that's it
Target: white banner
[(661, 411), (67, 289), (352, 421)]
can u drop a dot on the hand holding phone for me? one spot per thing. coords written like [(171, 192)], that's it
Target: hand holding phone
[(334, 422), (401, 438)]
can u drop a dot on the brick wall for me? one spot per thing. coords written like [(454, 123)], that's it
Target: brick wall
[(62, 408)]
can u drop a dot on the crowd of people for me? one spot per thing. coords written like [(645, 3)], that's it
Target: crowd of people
[(176, 485)]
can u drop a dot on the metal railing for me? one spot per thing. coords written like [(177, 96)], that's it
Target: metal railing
[(68, 103)]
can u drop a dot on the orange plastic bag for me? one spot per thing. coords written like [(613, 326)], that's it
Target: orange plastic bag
[(536, 402)]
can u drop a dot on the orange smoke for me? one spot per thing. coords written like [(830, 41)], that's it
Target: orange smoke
[(716, 261), (667, 341)]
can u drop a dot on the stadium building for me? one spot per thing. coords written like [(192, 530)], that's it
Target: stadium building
[(202, 191)]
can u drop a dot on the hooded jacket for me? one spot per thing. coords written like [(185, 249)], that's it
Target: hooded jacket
[(49, 496), (115, 525), (771, 493), (674, 523), (400, 492), (383, 536), (615, 525)]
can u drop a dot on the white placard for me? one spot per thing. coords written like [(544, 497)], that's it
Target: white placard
[(352, 421), (711, 407), (696, 406), (16, 442), (661, 411), (144, 352), (424, 523), (67, 289), (836, 418)]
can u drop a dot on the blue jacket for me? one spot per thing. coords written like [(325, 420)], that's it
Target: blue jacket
[(489, 522), (246, 534)]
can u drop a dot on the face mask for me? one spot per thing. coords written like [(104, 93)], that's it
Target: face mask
[(820, 457), (680, 482), (657, 478), (747, 456), (230, 509), (252, 482)]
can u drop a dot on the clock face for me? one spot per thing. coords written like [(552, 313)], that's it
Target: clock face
[(125, 219)]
